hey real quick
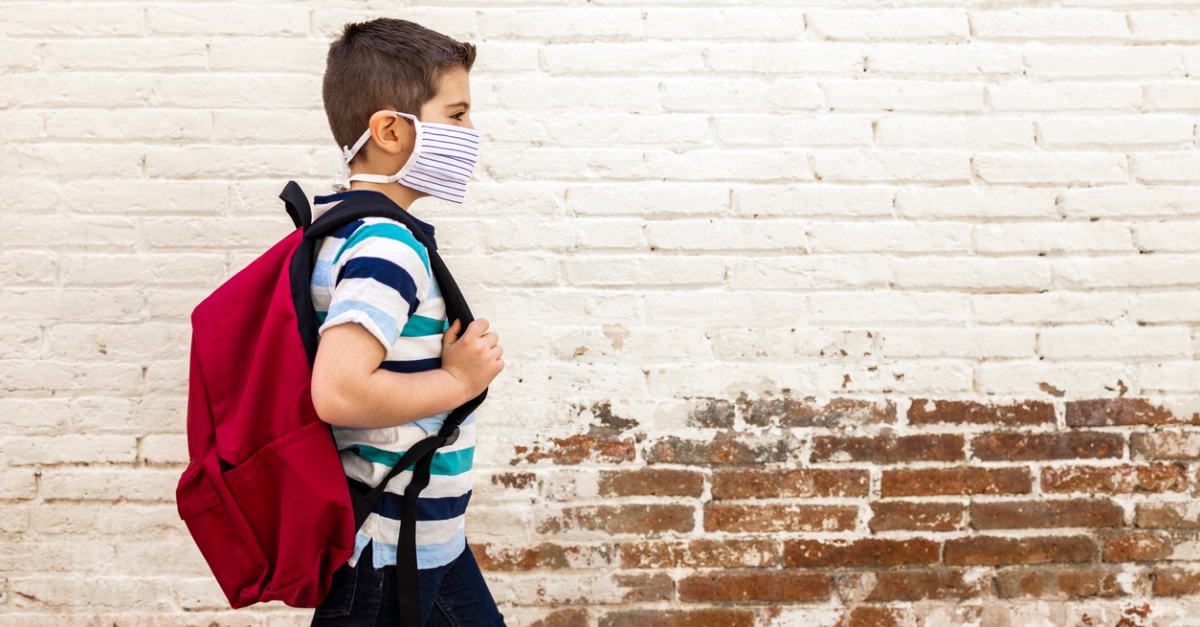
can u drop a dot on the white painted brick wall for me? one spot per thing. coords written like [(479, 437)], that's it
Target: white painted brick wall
[(971, 200)]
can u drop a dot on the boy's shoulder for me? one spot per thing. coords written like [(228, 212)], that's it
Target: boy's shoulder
[(380, 246)]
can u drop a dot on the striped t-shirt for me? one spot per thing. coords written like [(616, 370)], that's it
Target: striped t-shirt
[(375, 273)]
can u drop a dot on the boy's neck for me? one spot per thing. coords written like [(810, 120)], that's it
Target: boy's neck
[(401, 195)]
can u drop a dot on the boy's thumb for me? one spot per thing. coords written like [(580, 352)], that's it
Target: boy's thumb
[(451, 333)]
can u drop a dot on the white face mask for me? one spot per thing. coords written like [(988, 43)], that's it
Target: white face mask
[(442, 161)]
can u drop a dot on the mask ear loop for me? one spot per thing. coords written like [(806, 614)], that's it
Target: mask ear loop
[(343, 184), (417, 146), (379, 178)]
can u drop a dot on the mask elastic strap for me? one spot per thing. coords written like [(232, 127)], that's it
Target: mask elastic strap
[(343, 184)]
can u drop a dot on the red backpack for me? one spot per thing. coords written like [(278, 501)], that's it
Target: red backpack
[(265, 497)]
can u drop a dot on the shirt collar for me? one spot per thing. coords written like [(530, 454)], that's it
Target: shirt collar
[(321, 204)]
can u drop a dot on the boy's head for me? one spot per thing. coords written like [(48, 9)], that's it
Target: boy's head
[(394, 65)]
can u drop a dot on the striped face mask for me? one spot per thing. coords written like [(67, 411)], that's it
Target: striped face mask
[(442, 161)]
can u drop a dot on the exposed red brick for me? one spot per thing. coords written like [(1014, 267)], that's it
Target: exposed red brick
[(1174, 582), (673, 618), (610, 423), (903, 515), (1165, 445), (1009, 446), (646, 587), (887, 449), (712, 413), (858, 553), (1089, 582), (578, 449), (1018, 583), (1125, 479), (839, 412), (909, 585), (614, 519), (722, 449), (960, 480), (1067, 582), (1134, 611), (779, 586), (1173, 515), (773, 484), (726, 553), (980, 550), (1046, 514), (779, 517), (514, 480), (873, 616), (651, 482), (1138, 547), (1106, 412), (545, 555), (563, 618), (924, 411)]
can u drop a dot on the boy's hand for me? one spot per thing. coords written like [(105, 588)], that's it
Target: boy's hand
[(474, 357)]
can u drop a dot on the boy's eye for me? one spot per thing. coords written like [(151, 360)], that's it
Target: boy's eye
[(458, 116)]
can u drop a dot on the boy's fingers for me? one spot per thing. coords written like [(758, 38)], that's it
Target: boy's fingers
[(478, 327)]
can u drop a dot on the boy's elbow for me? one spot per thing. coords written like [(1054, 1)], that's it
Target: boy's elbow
[(334, 405)]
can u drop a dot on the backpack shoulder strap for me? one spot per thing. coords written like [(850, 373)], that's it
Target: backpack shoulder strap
[(296, 203)]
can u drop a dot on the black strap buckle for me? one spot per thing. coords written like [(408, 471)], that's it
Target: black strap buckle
[(452, 438)]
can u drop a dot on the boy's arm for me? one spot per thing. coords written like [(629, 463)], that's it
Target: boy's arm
[(350, 390), (378, 278)]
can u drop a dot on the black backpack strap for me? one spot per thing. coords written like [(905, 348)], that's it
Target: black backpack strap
[(296, 203), (420, 456)]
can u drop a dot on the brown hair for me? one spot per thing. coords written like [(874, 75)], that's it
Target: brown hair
[(385, 64)]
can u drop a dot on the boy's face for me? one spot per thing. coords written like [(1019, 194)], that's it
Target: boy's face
[(394, 136), (452, 103)]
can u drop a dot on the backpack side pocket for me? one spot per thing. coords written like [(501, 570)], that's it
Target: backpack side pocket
[(293, 495), (227, 554)]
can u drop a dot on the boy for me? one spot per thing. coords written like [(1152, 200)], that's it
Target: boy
[(389, 367)]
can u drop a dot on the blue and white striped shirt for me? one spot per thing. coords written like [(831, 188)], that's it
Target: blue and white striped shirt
[(375, 273)]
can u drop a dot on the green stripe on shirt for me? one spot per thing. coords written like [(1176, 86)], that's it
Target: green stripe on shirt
[(419, 326), (389, 230), (444, 463)]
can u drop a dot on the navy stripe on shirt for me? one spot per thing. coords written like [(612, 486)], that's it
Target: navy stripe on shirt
[(385, 272), (412, 365), (427, 509)]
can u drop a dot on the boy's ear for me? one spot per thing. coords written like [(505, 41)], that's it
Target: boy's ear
[(392, 133)]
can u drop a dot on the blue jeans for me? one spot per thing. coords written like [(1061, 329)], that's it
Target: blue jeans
[(453, 595)]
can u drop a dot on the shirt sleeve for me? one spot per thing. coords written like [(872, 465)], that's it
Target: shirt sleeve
[(380, 275)]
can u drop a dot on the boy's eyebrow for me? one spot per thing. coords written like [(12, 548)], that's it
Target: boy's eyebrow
[(464, 104)]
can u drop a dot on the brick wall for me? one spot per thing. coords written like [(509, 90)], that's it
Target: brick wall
[(828, 313)]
